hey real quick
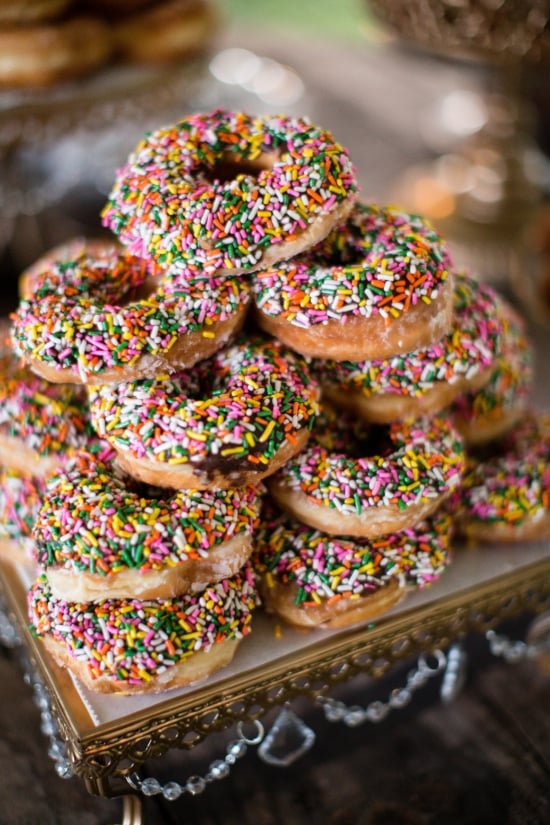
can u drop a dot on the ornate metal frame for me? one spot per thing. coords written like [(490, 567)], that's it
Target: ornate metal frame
[(104, 755)]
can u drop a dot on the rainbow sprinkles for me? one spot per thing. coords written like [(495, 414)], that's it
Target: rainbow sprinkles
[(172, 201)]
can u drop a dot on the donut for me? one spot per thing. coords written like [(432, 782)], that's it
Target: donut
[(312, 579), (367, 480), (47, 52), (428, 379), (228, 192), (376, 286), (17, 12), (229, 422), (168, 31), (494, 409), (133, 646), (99, 534), (108, 316), (20, 501), (40, 423), (39, 271), (505, 492)]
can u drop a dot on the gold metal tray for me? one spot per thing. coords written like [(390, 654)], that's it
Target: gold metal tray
[(108, 738)]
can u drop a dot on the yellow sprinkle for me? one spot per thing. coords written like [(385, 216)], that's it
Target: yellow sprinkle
[(90, 538), (267, 432), (232, 451), (147, 677), (196, 436)]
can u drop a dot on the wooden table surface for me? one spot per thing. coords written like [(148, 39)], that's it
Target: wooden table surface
[(482, 759)]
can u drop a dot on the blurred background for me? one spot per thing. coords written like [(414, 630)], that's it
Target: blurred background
[(443, 105)]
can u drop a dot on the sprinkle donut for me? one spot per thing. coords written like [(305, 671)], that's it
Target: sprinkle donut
[(493, 410), (367, 480), (506, 497), (130, 646), (228, 192), (40, 423), (230, 422), (20, 501), (312, 579), (375, 287), (425, 380), (98, 534), (109, 316), (37, 272)]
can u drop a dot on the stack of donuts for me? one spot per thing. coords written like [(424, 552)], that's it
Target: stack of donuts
[(44, 42), (280, 381)]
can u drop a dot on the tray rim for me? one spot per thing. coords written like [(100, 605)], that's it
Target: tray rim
[(104, 754)]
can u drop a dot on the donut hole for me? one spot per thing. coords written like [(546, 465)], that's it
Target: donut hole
[(334, 253), (136, 487), (197, 384), (139, 293), (146, 491), (229, 167), (348, 256), (371, 440), (353, 437)]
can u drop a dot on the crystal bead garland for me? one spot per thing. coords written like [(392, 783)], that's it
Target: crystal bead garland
[(9, 636), (454, 676), (516, 651), (195, 785), (57, 750), (376, 711)]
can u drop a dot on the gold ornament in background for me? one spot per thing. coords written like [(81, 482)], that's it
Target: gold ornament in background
[(503, 30), (484, 192)]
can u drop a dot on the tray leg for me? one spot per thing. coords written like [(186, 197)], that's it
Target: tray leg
[(132, 810)]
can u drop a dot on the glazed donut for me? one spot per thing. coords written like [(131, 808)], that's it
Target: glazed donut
[(375, 287), (17, 12), (230, 422), (108, 316), (45, 53), (163, 32), (366, 480), (506, 497), (20, 501), (493, 410), (228, 192), (312, 579), (425, 380), (131, 646), (40, 423), (98, 534)]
